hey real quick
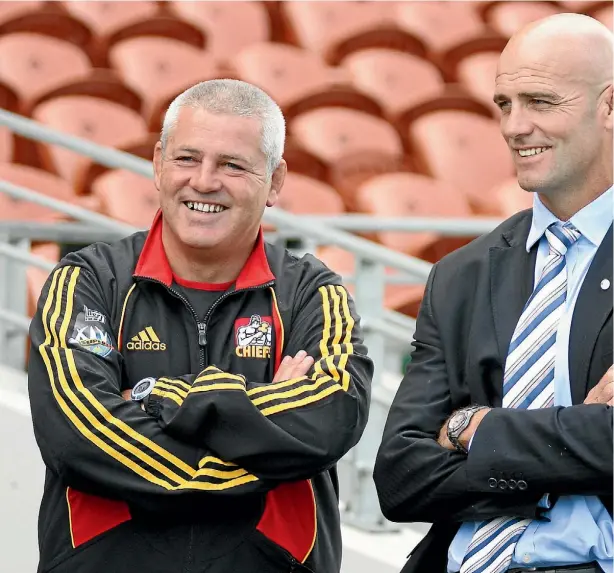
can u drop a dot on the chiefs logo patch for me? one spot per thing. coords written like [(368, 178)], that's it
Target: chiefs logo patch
[(253, 336)]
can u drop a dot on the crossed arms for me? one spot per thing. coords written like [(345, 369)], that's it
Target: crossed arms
[(226, 436)]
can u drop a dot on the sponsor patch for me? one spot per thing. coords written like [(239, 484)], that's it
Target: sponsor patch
[(91, 337), (93, 315), (146, 339), (253, 336)]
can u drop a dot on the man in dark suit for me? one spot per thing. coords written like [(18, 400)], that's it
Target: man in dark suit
[(501, 431)]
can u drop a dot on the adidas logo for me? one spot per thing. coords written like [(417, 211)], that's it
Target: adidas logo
[(147, 339)]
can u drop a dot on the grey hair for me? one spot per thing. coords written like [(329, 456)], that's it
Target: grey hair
[(234, 97)]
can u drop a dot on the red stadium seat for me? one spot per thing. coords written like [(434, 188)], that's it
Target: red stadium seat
[(465, 150), (127, 197), (510, 197), (43, 182), (604, 15), (410, 195), (298, 80), (33, 65), (508, 17), (354, 145), (228, 26), (332, 30), (97, 120), (477, 74), (396, 80), (159, 69), (440, 25), (399, 297)]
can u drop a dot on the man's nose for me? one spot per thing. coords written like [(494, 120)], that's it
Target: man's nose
[(206, 179), (516, 123)]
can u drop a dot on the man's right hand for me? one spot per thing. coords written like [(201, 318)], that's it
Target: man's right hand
[(294, 367), (603, 392)]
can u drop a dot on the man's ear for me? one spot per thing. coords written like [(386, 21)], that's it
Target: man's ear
[(608, 102), (277, 182), (157, 164)]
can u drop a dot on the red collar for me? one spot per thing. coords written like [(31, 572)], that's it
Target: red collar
[(153, 262)]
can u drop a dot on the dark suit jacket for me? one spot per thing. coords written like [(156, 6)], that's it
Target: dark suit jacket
[(473, 300)]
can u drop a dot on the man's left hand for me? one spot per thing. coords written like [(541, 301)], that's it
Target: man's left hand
[(467, 433)]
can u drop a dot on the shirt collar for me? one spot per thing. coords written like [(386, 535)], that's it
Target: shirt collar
[(593, 220)]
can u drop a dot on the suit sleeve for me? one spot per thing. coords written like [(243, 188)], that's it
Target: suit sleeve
[(288, 430), (562, 450), (92, 438), (416, 478)]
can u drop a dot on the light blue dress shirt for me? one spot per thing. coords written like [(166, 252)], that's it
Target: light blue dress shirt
[(579, 529)]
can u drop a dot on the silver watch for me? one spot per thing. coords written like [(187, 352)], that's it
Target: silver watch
[(142, 389), (458, 422)]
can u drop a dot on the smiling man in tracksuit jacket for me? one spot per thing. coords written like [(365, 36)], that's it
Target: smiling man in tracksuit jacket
[(215, 465)]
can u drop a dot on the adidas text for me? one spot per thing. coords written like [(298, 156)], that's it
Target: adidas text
[(140, 345)]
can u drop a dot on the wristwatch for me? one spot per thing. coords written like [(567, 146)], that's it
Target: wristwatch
[(458, 422), (142, 389)]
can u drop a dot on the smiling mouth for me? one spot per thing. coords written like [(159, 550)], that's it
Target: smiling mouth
[(530, 152), (204, 207)]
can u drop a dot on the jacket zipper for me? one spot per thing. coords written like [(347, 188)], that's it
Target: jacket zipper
[(202, 326)]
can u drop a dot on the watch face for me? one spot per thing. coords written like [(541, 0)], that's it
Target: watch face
[(143, 388), (456, 421)]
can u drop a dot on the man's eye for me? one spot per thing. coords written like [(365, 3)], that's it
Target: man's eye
[(540, 102), (503, 105), (186, 158), (233, 166)]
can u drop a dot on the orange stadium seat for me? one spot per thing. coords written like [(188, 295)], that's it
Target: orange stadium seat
[(95, 119), (43, 182), (127, 197), (46, 18), (354, 145), (510, 197), (396, 80), (332, 30), (604, 15), (32, 64), (508, 17), (158, 69), (583, 6), (228, 26), (6, 145), (410, 195), (35, 277), (477, 74), (400, 297), (465, 150), (112, 22), (440, 25), (298, 80)]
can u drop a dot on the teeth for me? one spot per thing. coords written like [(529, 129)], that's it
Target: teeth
[(204, 207), (532, 151)]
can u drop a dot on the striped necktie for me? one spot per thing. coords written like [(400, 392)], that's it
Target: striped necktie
[(528, 382)]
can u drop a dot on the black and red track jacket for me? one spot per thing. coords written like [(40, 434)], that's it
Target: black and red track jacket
[(226, 471)]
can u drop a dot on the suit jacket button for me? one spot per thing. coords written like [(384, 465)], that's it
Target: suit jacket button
[(522, 484), (492, 482), (511, 483), (502, 484)]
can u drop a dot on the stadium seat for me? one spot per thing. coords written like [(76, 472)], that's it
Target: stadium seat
[(410, 195), (112, 22), (604, 15), (43, 182), (477, 74), (465, 150), (158, 69), (228, 26), (298, 80), (396, 80), (440, 25), (95, 119), (508, 17), (510, 197), (354, 145), (583, 6), (45, 18), (332, 30), (400, 297), (35, 277), (127, 197), (32, 65), (6, 145)]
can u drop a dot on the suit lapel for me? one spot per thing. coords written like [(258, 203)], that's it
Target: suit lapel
[(511, 283), (590, 312)]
